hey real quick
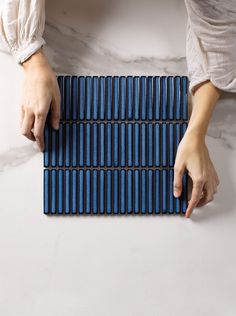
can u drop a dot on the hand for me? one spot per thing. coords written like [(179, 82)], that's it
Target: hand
[(40, 91), (193, 155)]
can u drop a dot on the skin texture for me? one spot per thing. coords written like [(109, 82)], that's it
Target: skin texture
[(41, 92), (192, 153)]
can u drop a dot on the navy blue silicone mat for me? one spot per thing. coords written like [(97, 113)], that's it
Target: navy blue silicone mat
[(115, 150)]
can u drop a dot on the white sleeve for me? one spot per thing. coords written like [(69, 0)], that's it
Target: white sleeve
[(211, 43), (22, 25)]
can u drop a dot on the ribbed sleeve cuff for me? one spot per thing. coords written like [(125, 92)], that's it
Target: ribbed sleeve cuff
[(21, 54)]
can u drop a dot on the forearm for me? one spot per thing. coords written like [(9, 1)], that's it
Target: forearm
[(204, 102), (192, 153), (22, 25)]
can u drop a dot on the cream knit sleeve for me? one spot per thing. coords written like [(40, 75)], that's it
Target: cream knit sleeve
[(22, 25), (211, 43)]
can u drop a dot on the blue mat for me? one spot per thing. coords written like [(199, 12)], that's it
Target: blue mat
[(115, 149)]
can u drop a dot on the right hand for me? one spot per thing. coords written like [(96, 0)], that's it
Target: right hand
[(40, 91), (193, 155)]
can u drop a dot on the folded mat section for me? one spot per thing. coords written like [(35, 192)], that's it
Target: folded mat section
[(115, 149)]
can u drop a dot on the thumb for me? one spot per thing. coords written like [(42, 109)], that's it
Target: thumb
[(55, 113), (178, 174)]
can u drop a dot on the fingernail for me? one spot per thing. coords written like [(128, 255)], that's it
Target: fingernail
[(176, 193)]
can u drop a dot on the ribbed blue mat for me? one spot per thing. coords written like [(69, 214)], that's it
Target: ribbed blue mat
[(115, 149)]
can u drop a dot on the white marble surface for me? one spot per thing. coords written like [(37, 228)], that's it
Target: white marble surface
[(131, 266)]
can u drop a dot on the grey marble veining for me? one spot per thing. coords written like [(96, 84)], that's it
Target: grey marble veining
[(84, 54), (16, 156)]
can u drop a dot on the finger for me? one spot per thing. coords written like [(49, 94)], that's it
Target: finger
[(215, 173), (39, 130), (215, 184), (22, 113), (202, 197), (190, 187), (208, 197), (55, 112), (178, 174), (27, 126), (217, 179), (195, 197)]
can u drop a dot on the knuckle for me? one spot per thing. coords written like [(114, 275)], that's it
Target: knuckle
[(199, 179), (37, 135), (27, 108), (39, 113), (177, 185), (24, 132), (195, 200), (56, 116), (177, 169), (209, 199)]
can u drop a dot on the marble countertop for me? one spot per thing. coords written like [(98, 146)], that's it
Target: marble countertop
[(119, 265)]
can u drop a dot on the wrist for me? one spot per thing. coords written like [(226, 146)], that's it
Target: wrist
[(37, 59), (196, 132), (198, 123)]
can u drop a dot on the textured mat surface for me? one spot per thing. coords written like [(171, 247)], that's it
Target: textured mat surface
[(115, 149)]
